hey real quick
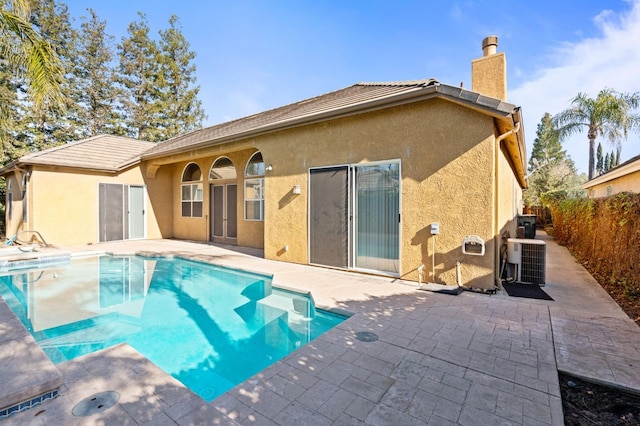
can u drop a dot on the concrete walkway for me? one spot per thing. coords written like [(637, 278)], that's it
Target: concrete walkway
[(439, 359)]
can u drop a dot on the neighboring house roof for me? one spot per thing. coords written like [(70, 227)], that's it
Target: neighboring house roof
[(103, 153), (356, 99), (630, 166)]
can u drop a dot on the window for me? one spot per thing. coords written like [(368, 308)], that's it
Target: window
[(192, 191), (254, 199), (25, 179), (10, 206), (254, 188), (222, 169)]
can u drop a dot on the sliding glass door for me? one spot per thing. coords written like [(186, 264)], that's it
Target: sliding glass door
[(354, 218), (329, 217), (377, 217)]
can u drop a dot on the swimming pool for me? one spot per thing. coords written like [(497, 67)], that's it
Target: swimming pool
[(209, 327)]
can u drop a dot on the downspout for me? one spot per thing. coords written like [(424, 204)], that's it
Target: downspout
[(496, 206), (508, 133)]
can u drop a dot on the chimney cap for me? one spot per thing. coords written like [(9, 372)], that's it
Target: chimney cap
[(489, 45)]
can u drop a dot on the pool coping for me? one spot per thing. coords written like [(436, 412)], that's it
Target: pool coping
[(27, 375)]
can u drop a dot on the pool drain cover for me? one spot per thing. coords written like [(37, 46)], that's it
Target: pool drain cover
[(95, 404), (366, 336)]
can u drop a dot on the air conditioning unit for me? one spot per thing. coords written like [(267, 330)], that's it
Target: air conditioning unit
[(529, 257)]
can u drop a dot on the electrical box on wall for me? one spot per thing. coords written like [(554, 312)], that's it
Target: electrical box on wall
[(435, 228)]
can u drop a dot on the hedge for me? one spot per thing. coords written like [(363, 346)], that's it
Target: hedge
[(604, 235)]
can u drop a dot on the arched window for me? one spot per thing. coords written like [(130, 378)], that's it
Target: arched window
[(254, 188), (192, 191), (222, 169)]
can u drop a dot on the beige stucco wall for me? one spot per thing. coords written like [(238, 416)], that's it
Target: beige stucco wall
[(250, 233), (627, 183), (63, 205), (509, 203), (448, 167), (447, 156)]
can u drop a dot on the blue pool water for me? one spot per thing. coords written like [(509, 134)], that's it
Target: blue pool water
[(209, 327)]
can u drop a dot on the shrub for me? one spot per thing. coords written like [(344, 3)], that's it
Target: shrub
[(604, 235)]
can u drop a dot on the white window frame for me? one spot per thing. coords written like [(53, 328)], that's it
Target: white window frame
[(260, 200), (249, 182), (194, 194)]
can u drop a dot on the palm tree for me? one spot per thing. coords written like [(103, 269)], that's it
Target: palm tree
[(30, 54), (609, 115)]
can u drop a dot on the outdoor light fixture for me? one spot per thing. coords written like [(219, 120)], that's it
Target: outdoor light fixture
[(296, 189), (269, 168)]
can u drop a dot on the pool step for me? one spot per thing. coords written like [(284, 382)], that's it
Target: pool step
[(256, 314), (257, 290), (298, 305), (278, 334), (80, 342)]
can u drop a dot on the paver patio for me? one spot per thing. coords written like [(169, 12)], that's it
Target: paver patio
[(439, 359)]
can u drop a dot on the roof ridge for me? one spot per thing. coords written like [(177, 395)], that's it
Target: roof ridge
[(57, 148), (422, 82), (246, 117), (77, 142)]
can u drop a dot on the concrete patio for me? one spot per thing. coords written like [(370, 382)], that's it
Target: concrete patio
[(439, 359)]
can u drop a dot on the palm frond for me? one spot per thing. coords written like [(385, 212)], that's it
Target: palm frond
[(33, 56)]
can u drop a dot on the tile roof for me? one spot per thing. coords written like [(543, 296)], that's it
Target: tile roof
[(113, 153), (102, 153), (358, 98)]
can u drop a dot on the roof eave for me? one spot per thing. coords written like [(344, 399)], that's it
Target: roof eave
[(110, 170), (623, 170), (15, 164), (519, 151)]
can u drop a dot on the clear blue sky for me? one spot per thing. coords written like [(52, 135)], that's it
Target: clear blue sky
[(261, 54)]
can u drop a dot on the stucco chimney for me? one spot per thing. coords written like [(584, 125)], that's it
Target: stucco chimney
[(489, 73)]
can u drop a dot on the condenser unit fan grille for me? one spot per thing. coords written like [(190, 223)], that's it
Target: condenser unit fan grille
[(532, 263)]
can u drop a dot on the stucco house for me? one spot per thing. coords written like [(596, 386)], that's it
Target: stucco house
[(352, 179), (623, 178)]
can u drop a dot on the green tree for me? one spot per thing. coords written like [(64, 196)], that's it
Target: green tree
[(159, 80), (183, 110), (599, 160), (609, 115), (10, 113), (51, 124), (24, 53), (29, 52), (617, 162), (550, 169), (139, 75), (97, 95), (546, 146), (607, 162)]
